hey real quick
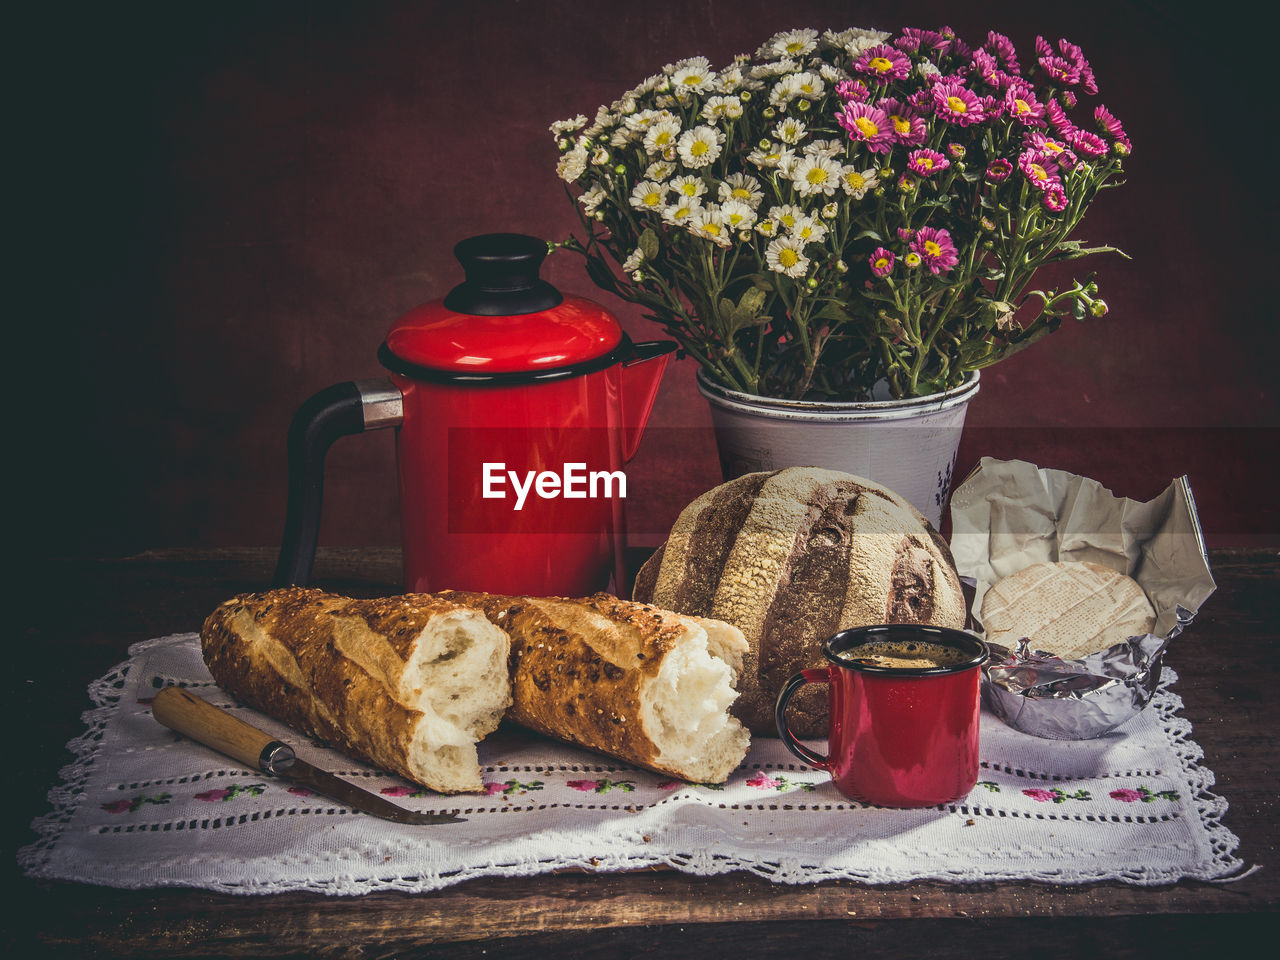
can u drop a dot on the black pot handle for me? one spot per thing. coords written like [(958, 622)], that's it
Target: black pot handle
[(337, 411)]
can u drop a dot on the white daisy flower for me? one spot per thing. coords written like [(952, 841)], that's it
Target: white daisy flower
[(718, 108), (786, 215), (831, 74), (790, 130), (861, 40), (729, 80), (591, 199), (744, 187), (659, 170), (808, 230), (681, 209), (699, 146), (573, 164), (622, 137), (647, 85), (569, 126), (641, 120), (737, 215), (648, 195), (687, 186), (766, 228), (823, 148), (708, 222), (790, 43), (661, 134), (632, 263), (857, 182), (785, 255), (762, 71), (815, 175), (692, 76), (599, 157), (605, 120), (775, 156), (804, 84), (830, 210), (925, 68)]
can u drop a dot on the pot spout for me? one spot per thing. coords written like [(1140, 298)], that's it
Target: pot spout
[(641, 376)]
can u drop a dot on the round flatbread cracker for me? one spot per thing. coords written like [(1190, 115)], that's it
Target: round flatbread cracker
[(1068, 609)]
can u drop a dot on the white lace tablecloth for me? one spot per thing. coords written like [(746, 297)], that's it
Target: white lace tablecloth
[(143, 807)]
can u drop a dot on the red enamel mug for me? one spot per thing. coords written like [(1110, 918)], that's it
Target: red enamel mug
[(515, 409), (897, 736)]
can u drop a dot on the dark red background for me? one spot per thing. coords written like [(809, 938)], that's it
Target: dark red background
[(224, 207)]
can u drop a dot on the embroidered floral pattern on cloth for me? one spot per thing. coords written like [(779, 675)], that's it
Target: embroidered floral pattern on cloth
[(139, 800)]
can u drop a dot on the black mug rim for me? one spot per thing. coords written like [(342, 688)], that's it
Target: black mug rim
[(947, 636)]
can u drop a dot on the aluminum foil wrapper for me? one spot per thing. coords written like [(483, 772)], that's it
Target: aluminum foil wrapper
[(1010, 514)]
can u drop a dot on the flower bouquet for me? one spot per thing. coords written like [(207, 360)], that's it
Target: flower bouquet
[(847, 215)]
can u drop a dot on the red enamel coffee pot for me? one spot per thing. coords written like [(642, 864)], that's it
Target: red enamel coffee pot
[(515, 409)]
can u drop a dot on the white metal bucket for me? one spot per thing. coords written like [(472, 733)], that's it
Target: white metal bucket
[(907, 445)]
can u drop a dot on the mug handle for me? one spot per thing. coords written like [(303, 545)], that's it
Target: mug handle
[(355, 406), (788, 738)]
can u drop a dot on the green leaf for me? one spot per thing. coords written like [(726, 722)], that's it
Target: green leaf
[(762, 283), (869, 233), (648, 244), (601, 275), (752, 300)]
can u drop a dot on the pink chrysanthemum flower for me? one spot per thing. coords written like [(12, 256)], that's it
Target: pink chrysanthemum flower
[(913, 40), (926, 162), (1020, 103), (1055, 149), (1039, 170), (1087, 144), (1075, 56), (1054, 198), (1059, 70), (1069, 99), (908, 126), (936, 249), (955, 103), (1058, 118), (883, 63), (1002, 47), (1067, 66), (881, 261), (852, 90), (1108, 123), (999, 170), (956, 151), (867, 125), (905, 234), (955, 46), (985, 67)]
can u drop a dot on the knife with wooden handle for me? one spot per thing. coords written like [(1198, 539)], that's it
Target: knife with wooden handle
[(183, 711)]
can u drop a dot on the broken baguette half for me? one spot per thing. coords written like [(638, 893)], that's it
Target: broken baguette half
[(408, 683)]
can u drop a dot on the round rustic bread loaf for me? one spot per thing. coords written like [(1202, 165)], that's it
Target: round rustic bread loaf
[(790, 557), (1067, 608)]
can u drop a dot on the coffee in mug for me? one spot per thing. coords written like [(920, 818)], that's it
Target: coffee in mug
[(905, 654)]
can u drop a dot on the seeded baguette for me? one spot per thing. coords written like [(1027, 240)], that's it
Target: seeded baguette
[(407, 683), (646, 686)]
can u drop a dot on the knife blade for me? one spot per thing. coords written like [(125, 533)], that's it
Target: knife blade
[(192, 716)]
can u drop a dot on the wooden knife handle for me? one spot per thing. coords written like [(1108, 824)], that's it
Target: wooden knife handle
[(181, 710)]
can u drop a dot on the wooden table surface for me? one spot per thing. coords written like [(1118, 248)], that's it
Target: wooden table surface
[(79, 616)]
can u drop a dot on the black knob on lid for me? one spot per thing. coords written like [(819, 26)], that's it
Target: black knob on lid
[(502, 276)]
